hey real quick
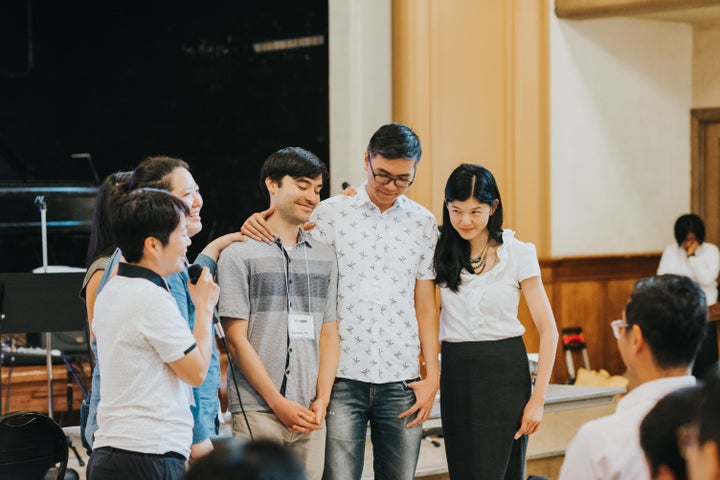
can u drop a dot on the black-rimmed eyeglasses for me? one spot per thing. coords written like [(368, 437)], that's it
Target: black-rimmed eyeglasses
[(385, 179)]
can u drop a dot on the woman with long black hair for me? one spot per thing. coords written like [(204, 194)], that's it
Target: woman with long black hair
[(488, 403)]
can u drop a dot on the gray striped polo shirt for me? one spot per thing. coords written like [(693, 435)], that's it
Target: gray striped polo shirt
[(255, 279)]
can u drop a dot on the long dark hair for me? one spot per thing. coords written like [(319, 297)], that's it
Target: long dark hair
[(102, 242), (452, 253), (154, 172)]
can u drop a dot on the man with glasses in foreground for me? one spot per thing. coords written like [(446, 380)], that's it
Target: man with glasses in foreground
[(658, 337), (387, 312)]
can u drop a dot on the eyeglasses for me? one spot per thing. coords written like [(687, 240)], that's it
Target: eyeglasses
[(385, 179), (688, 436), (617, 325)]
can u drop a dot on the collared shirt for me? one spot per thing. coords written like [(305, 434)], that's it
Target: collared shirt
[(204, 396), (486, 306), (380, 257), (609, 447), (144, 406), (263, 283), (703, 267)]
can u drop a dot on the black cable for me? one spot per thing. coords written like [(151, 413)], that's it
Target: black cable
[(194, 271), (221, 335)]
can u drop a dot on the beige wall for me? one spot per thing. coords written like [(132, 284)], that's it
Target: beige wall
[(620, 133), (706, 67), (471, 77), (606, 174)]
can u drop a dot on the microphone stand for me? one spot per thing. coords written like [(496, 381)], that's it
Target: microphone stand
[(40, 203)]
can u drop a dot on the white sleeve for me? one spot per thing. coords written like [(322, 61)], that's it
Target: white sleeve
[(429, 241), (166, 330), (666, 263), (580, 462), (528, 265), (705, 265)]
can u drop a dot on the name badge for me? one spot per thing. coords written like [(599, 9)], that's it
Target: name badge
[(301, 325)]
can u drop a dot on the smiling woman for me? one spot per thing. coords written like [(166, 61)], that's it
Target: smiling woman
[(173, 175), (147, 355), (482, 270)]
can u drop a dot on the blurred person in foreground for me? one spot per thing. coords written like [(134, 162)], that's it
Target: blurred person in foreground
[(658, 337)]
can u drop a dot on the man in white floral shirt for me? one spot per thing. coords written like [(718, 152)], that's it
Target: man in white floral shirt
[(387, 311)]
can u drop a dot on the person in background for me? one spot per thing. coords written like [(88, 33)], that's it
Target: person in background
[(101, 244), (658, 433), (100, 248), (387, 311), (278, 305), (692, 256), (253, 460), (699, 441), (658, 337), (488, 404), (147, 355), (173, 175), (699, 260)]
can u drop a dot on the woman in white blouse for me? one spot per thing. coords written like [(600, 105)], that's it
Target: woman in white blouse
[(487, 400), (693, 257)]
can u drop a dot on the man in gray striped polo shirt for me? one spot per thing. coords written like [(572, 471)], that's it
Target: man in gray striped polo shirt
[(278, 304)]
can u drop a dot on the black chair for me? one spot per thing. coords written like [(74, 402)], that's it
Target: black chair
[(30, 445)]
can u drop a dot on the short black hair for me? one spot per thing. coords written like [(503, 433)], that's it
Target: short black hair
[(394, 141), (689, 223), (658, 430), (672, 313), (295, 162), (143, 213), (249, 460)]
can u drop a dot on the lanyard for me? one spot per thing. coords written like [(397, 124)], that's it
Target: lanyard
[(286, 258)]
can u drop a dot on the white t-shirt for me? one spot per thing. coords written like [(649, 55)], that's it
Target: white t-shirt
[(144, 406), (609, 447), (486, 306), (703, 267)]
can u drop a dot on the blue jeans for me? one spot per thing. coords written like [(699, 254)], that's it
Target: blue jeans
[(395, 447), (92, 426)]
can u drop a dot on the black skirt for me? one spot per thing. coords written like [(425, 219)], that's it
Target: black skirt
[(484, 387)]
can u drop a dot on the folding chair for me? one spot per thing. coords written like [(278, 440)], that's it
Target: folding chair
[(30, 445)]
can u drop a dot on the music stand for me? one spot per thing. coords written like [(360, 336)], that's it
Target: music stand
[(41, 303)]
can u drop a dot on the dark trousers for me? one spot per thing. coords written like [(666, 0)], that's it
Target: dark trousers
[(107, 463), (706, 360), (483, 391)]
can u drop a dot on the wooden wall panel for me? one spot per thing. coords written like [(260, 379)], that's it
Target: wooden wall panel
[(589, 292), (28, 388), (584, 9), (472, 78)]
